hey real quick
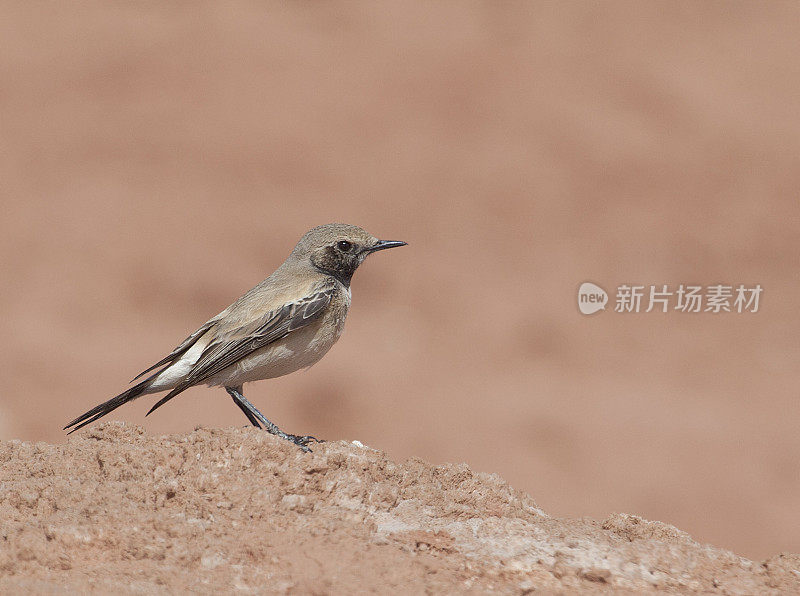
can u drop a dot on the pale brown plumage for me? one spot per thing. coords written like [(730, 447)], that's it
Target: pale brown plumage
[(287, 322)]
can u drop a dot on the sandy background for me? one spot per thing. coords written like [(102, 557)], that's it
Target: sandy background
[(159, 160)]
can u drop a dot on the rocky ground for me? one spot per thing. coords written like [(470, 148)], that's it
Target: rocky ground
[(115, 510)]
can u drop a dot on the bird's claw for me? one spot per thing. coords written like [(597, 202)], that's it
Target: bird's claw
[(303, 441)]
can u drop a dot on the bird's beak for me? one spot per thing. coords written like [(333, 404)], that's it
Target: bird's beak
[(384, 244)]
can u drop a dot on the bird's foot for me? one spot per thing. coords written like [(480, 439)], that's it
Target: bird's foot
[(303, 441)]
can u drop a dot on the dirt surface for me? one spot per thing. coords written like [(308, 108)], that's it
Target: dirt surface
[(116, 510)]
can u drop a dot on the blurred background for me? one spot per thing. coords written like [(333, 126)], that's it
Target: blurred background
[(159, 159)]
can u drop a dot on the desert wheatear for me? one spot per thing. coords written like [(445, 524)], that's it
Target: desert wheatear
[(287, 322)]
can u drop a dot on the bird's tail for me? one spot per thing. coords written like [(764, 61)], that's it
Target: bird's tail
[(109, 406)]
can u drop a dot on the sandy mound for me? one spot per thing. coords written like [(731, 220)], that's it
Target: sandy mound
[(116, 510)]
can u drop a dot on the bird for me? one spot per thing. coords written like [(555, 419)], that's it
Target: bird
[(287, 322)]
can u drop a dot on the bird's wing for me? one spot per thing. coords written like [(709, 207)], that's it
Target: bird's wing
[(179, 351), (230, 347)]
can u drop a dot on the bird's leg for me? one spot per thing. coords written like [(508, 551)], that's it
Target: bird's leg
[(255, 416), (233, 391)]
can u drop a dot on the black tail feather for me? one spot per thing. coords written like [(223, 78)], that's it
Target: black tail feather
[(108, 406), (167, 397)]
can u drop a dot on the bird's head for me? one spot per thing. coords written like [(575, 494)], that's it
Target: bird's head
[(338, 249)]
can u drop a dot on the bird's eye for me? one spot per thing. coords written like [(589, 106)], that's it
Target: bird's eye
[(344, 245)]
